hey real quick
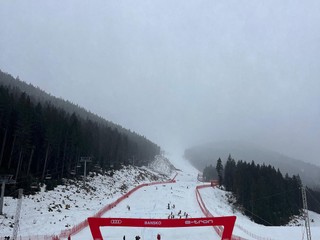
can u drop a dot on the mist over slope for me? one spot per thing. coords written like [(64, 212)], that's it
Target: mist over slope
[(206, 154), (162, 165), (38, 95)]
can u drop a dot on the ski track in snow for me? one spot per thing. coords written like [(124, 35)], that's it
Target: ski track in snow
[(147, 202)]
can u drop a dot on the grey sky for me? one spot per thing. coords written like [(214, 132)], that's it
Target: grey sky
[(178, 72)]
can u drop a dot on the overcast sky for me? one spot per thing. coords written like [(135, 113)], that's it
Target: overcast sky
[(178, 72)]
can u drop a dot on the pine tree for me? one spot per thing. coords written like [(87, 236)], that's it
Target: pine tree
[(219, 168), (229, 171), (209, 173)]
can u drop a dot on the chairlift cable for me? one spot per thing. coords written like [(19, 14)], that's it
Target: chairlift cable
[(314, 198)]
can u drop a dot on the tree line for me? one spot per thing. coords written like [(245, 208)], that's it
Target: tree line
[(39, 141), (261, 191)]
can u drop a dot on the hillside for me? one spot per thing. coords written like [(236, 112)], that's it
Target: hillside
[(37, 95), (204, 155), (44, 138), (49, 212)]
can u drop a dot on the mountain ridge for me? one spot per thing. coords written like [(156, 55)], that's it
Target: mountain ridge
[(202, 155), (39, 95)]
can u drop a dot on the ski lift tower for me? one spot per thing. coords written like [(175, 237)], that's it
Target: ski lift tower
[(85, 160), (17, 217), (305, 212), (4, 179)]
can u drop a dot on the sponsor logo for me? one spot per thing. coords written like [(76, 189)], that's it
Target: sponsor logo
[(198, 222), (115, 221), (152, 222)]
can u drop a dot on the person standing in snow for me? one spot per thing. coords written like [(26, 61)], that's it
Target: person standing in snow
[(124, 237), (158, 237)]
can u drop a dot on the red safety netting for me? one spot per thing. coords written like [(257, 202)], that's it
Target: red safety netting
[(77, 228)]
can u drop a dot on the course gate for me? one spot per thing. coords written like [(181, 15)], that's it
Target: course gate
[(227, 222)]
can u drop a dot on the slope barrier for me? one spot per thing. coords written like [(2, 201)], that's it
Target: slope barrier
[(77, 228), (218, 229)]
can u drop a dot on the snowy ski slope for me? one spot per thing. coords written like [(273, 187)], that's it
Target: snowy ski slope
[(147, 202)]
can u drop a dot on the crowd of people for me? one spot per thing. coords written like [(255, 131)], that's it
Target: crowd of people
[(178, 215)]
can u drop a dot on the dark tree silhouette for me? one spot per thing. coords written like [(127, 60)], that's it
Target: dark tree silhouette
[(263, 193), (42, 138)]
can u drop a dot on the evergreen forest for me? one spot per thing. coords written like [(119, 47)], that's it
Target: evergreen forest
[(262, 192), (42, 142)]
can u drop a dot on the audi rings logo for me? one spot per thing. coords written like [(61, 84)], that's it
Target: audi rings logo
[(116, 221)]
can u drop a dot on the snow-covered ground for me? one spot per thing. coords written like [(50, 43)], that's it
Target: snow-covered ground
[(50, 212)]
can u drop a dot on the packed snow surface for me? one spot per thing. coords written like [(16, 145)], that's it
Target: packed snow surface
[(51, 212)]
